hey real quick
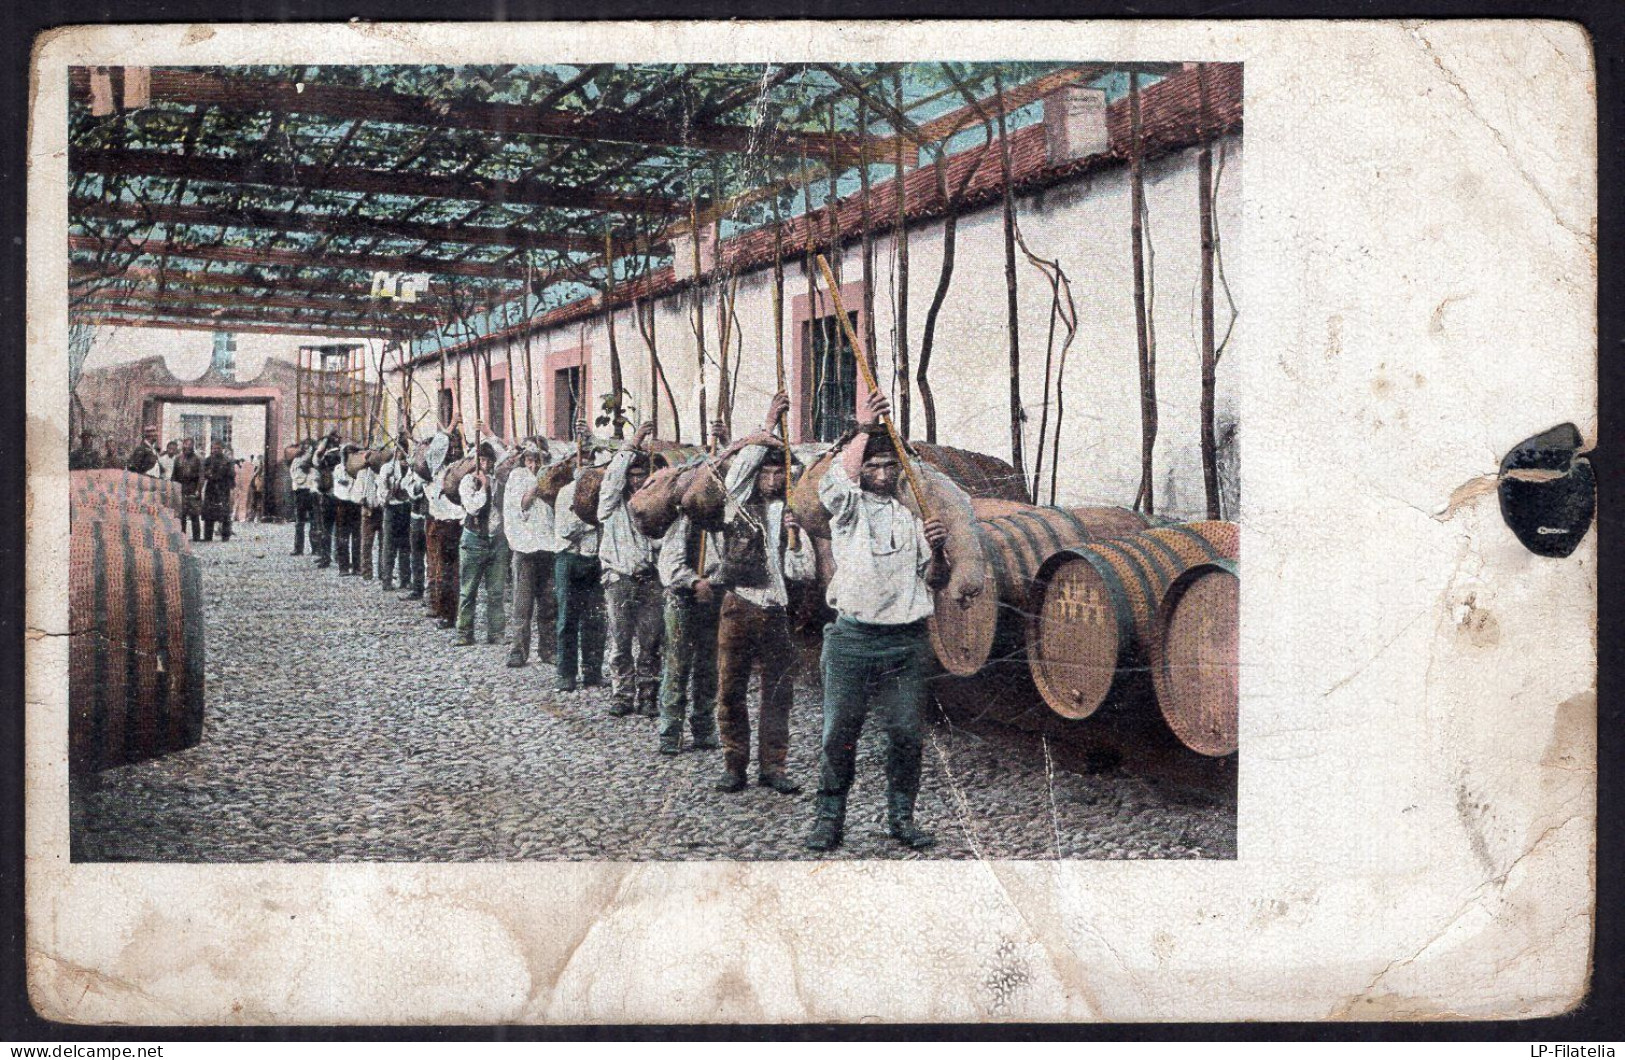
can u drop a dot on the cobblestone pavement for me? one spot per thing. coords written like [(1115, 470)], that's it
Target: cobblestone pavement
[(343, 726)]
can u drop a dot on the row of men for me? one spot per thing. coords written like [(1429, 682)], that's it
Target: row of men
[(691, 615), (207, 483)]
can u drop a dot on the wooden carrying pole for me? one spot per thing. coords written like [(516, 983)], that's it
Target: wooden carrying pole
[(793, 537), (872, 384)]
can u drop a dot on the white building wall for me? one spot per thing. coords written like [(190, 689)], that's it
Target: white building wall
[(1086, 225), (187, 352)]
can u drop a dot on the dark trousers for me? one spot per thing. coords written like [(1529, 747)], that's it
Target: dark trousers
[(482, 563), (396, 546), (688, 676), (322, 531), (580, 625), (372, 520), (751, 637), (879, 669), (441, 538), (533, 598), (635, 617), (347, 535), (304, 512), (192, 514), (223, 521), (418, 550)]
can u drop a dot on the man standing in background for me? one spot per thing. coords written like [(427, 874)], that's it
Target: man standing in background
[(302, 484), (219, 478), (365, 491), (189, 473)]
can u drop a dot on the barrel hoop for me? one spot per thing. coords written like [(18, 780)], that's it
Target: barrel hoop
[(1116, 590), (1048, 528), (1012, 525), (163, 722), (1140, 575), (132, 658), (1207, 546), (1164, 547), (1077, 524), (1153, 561), (98, 637)]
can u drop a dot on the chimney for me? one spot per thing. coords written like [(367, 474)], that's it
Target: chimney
[(1075, 123), (682, 251)]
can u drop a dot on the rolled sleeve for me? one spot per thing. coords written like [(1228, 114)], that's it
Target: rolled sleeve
[(610, 493), (839, 494)]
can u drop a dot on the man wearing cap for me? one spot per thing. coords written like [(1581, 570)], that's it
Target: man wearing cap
[(443, 529), (219, 479), (753, 629), (482, 557), (396, 508), (302, 482), (631, 586), (876, 652), (578, 589), (528, 519), (144, 457), (189, 473)]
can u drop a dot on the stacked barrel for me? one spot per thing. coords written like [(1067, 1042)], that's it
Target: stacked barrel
[(135, 616), (1094, 605)]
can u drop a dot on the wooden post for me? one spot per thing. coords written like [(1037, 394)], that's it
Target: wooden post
[(616, 383), (900, 357), (699, 315), (792, 538), (903, 457), (1204, 200), (1145, 499), (868, 238), (1013, 325)]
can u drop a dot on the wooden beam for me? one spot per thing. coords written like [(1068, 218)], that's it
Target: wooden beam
[(334, 315), (367, 181), (238, 328), (81, 274), (297, 259), (238, 300), (341, 102), (335, 224)]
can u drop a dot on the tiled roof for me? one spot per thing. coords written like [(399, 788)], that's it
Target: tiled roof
[(1171, 117)]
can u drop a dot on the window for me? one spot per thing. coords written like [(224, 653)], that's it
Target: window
[(834, 378), (448, 405), (225, 353), (207, 432), (496, 416), (336, 358), (566, 400)]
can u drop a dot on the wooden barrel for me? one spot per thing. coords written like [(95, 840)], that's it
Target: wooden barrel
[(1195, 656), (114, 483), (588, 485), (977, 474), (355, 460), (1094, 607), (453, 475), (136, 684), (990, 627)]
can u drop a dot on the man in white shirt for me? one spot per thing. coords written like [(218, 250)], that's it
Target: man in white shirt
[(365, 492), (443, 529), (528, 520), (166, 462), (877, 652), (302, 483), (578, 589), (688, 672), (482, 551), (631, 586), (753, 629), (327, 457), (346, 516), (395, 547)]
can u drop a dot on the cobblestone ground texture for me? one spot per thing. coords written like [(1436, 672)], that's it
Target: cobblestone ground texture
[(343, 726)]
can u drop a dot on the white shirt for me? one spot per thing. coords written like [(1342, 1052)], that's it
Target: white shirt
[(623, 549), (529, 529), (573, 534), (673, 566), (343, 483), (389, 480), (881, 555), (475, 498), (364, 489), (439, 506), (302, 473), (164, 468), (799, 564)]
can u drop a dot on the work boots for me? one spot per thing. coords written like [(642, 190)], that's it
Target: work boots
[(826, 830), (900, 823)]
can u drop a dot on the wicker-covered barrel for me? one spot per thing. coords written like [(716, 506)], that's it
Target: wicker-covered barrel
[(1094, 608), (355, 460), (977, 474), (135, 688), (670, 454), (114, 483), (1017, 539), (588, 485), (156, 518), (1195, 656)]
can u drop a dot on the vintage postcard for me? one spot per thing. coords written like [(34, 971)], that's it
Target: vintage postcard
[(635, 523)]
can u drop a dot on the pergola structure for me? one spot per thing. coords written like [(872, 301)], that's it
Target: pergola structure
[(265, 199)]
